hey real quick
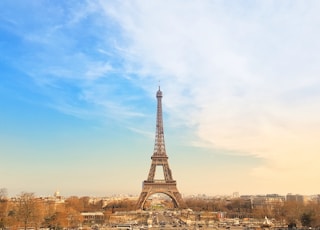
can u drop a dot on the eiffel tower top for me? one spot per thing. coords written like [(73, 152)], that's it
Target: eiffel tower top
[(159, 145)]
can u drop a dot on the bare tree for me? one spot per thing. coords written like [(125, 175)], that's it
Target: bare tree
[(3, 207), (26, 209)]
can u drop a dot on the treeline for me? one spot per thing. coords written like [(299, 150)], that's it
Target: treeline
[(287, 212), (26, 211)]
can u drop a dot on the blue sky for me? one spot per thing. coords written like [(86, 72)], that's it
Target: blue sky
[(241, 90)]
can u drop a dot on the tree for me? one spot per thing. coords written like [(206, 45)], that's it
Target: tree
[(58, 219), (27, 210), (293, 211), (3, 208), (73, 209), (74, 217), (306, 219)]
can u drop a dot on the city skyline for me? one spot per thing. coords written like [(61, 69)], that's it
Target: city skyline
[(240, 83)]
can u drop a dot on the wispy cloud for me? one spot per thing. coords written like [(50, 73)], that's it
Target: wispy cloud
[(240, 73), (72, 57)]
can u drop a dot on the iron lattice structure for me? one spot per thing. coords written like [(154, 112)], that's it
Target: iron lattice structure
[(159, 158)]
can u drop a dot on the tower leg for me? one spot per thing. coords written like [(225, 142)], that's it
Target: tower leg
[(169, 189), (142, 199)]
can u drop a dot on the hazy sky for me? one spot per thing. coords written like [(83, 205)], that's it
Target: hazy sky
[(240, 82)]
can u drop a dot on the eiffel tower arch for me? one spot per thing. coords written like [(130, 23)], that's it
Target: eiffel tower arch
[(159, 158)]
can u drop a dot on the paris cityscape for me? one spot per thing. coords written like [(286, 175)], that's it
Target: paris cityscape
[(119, 212), (159, 206), (159, 115)]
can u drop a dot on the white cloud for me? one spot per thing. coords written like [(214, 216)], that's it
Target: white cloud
[(241, 73), (98, 70)]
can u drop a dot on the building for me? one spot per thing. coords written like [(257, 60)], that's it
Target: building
[(297, 198), (93, 217)]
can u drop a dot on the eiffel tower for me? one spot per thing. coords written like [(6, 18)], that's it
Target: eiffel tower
[(159, 158)]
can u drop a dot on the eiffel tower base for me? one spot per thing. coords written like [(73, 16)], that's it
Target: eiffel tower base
[(165, 187)]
